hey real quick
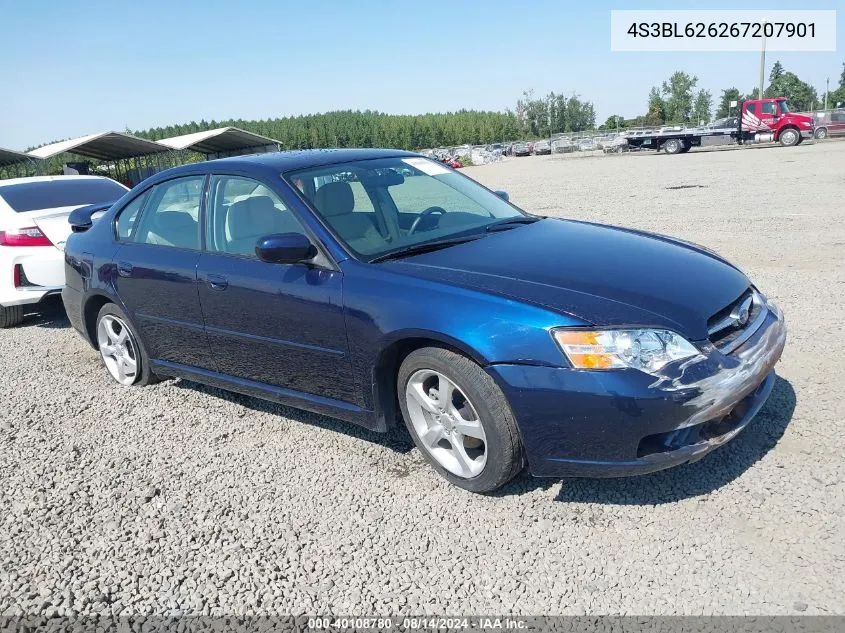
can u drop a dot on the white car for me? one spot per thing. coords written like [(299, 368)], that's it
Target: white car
[(33, 230)]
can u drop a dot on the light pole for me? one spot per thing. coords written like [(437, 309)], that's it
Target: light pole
[(762, 62), (826, 92)]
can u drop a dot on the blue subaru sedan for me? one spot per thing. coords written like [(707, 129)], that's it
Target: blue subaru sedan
[(379, 285)]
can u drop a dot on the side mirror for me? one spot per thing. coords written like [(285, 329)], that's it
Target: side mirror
[(285, 248), (503, 195)]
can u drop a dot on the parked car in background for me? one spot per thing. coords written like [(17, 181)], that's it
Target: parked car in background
[(586, 144), (520, 149), (330, 281), (829, 123), (33, 231), (542, 147), (563, 145)]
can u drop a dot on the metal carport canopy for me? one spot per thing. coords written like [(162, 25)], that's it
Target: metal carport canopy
[(219, 141), (10, 157), (106, 146)]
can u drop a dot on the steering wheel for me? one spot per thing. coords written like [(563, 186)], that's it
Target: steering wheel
[(428, 212)]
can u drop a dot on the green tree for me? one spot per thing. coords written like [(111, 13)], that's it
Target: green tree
[(678, 95), (613, 122), (702, 107), (724, 109), (801, 95), (656, 114), (842, 77), (776, 72)]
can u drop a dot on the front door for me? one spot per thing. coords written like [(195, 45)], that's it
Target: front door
[(281, 325), (157, 270)]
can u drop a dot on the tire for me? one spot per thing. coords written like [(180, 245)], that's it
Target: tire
[(10, 316), (820, 133), (790, 137), (477, 404), (111, 320), (673, 146)]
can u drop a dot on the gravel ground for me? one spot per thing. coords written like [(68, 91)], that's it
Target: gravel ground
[(180, 498)]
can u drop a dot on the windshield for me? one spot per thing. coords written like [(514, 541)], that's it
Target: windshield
[(784, 109), (390, 204), (52, 194)]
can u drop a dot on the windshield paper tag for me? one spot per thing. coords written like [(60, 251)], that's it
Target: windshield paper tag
[(428, 167)]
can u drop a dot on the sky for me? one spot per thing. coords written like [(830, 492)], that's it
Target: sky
[(76, 68)]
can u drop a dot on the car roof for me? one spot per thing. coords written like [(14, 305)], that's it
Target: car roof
[(281, 162)]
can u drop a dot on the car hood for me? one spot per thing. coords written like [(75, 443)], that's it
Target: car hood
[(604, 275)]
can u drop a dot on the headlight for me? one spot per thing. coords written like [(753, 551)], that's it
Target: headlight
[(643, 349)]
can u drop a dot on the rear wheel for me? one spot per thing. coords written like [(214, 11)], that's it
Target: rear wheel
[(789, 137), (121, 351), (821, 132), (459, 419), (10, 316), (673, 146)]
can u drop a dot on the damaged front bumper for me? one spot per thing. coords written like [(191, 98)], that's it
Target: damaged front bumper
[(625, 422)]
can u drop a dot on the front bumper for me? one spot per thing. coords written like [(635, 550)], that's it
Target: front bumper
[(625, 422)]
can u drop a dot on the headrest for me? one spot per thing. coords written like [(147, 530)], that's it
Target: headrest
[(252, 217), (334, 198), (174, 220)]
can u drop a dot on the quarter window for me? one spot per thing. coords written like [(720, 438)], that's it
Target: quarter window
[(128, 218), (171, 217), (240, 212)]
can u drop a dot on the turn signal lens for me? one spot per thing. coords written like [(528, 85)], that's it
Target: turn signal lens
[(30, 236), (643, 349)]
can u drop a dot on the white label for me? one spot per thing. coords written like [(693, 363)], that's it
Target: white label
[(428, 167), (723, 30)]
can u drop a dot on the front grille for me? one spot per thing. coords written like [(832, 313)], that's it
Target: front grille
[(727, 330)]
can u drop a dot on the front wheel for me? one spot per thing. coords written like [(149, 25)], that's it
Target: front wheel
[(789, 137), (459, 419), (121, 351), (821, 133)]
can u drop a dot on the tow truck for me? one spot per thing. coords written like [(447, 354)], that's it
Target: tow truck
[(759, 121)]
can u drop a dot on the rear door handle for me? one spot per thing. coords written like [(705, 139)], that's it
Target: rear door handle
[(217, 282), (124, 269)]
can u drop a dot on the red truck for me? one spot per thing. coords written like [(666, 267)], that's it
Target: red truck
[(759, 121)]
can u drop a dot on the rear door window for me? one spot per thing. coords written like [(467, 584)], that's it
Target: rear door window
[(171, 214)]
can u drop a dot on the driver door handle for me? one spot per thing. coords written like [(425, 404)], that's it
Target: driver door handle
[(217, 282)]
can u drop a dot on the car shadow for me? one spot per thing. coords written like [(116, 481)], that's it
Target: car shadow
[(48, 313), (397, 439), (712, 472)]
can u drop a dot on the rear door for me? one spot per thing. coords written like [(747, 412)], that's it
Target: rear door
[(156, 270), (277, 324), (837, 123), (751, 121)]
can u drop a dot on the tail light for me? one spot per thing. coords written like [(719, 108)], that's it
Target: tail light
[(30, 236)]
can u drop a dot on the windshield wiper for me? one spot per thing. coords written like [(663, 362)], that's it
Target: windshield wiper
[(508, 223), (425, 247)]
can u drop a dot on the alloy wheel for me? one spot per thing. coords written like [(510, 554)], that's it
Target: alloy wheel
[(118, 349), (446, 423)]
